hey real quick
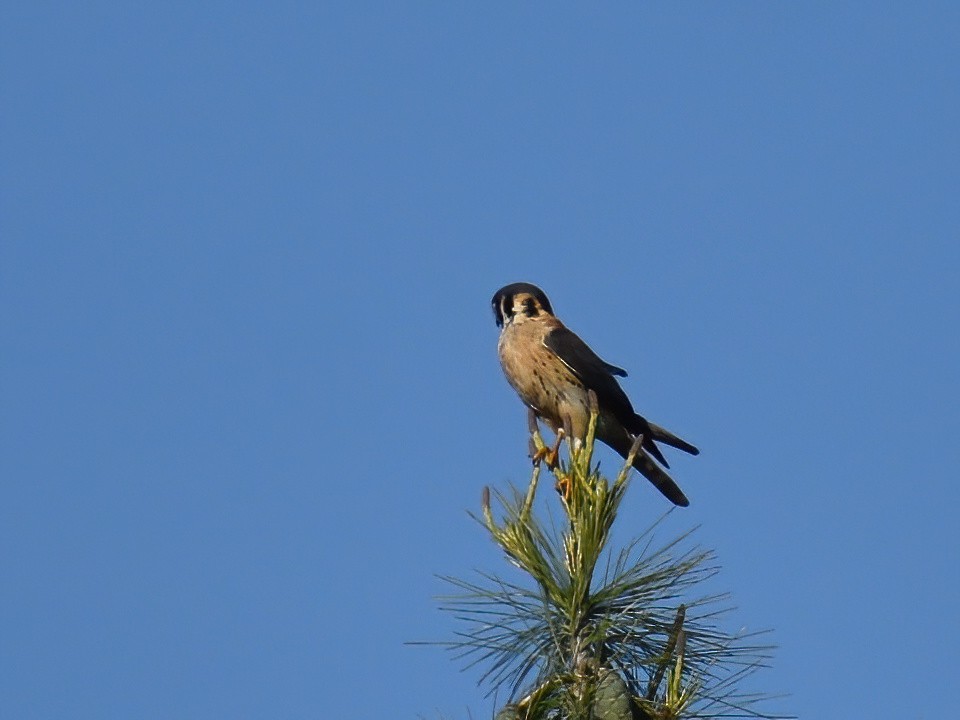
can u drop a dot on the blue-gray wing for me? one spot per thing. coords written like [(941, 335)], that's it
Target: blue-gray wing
[(598, 375), (594, 373)]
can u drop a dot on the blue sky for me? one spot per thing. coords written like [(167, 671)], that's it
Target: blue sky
[(249, 379)]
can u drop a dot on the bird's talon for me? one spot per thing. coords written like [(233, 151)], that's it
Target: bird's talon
[(552, 455)]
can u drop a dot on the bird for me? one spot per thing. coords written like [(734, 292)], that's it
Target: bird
[(553, 370)]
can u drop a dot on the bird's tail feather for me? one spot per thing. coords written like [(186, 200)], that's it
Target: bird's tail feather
[(665, 436), (651, 471)]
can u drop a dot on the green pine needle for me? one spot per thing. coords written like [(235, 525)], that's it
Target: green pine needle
[(594, 633)]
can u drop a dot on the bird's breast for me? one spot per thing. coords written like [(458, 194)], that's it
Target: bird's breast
[(541, 380)]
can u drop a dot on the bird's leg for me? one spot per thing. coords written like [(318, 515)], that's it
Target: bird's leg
[(553, 455), (544, 452), (538, 449), (563, 480)]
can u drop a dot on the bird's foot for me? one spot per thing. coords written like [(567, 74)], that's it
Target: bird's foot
[(550, 454)]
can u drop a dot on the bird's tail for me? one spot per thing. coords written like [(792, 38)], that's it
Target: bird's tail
[(639, 425), (650, 470), (665, 436)]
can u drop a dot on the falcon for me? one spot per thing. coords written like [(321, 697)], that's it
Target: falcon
[(553, 370)]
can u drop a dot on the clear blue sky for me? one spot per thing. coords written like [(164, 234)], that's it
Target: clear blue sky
[(249, 380)]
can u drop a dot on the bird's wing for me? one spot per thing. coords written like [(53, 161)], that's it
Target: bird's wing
[(613, 369), (597, 375), (593, 372)]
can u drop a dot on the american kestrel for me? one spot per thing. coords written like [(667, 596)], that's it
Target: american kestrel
[(552, 370)]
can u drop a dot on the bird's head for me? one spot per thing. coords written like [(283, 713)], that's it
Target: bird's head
[(519, 302)]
